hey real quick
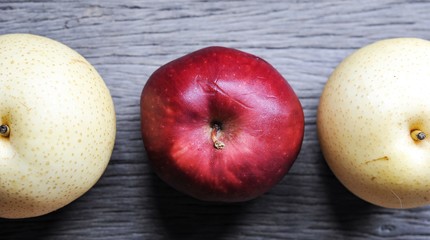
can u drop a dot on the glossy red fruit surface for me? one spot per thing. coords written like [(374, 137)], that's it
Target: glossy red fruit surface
[(220, 124)]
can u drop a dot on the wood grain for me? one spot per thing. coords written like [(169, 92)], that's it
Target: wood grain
[(127, 40)]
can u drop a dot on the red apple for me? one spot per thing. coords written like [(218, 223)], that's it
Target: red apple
[(220, 124)]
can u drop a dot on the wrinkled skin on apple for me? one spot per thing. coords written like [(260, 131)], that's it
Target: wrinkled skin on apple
[(220, 124)]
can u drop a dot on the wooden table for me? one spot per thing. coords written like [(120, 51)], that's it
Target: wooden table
[(127, 40)]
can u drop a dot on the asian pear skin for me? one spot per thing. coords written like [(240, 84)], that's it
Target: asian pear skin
[(57, 125), (373, 119)]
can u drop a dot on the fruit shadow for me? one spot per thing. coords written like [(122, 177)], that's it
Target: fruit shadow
[(37, 228), (349, 213), (183, 217)]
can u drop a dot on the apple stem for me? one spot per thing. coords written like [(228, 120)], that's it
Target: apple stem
[(418, 135), (217, 143), (4, 130)]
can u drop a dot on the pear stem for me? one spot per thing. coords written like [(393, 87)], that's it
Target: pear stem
[(217, 143), (4, 130), (418, 135)]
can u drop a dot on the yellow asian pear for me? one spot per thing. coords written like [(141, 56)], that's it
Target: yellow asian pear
[(57, 125), (373, 119)]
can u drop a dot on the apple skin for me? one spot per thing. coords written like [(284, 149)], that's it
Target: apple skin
[(370, 105), (62, 125), (259, 116)]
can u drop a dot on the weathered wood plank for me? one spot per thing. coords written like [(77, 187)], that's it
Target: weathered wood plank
[(127, 40)]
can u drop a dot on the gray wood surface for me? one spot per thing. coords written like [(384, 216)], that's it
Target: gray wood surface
[(127, 40)]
